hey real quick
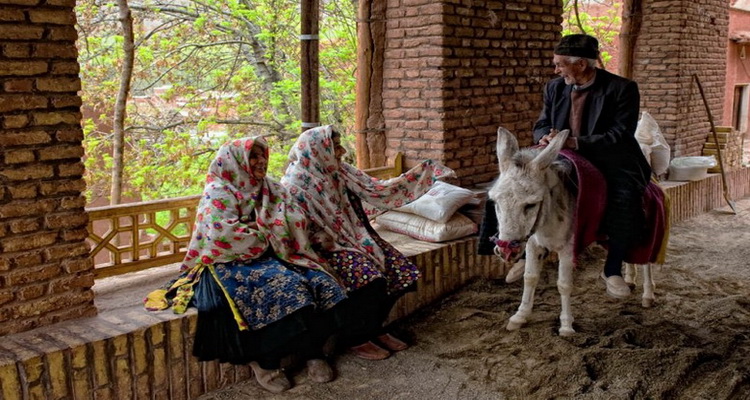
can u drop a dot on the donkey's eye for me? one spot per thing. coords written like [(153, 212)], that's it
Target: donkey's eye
[(528, 207)]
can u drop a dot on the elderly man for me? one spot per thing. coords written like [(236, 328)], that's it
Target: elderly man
[(601, 110)]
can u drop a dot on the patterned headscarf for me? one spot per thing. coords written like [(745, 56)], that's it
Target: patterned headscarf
[(240, 216), (319, 182)]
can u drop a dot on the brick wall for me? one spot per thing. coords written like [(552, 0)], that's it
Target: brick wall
[(679, 38), (45, 272), (456, 70), (413, 79)]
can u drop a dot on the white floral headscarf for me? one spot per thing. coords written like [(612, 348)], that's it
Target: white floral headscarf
[(240, 216), (316, 179)]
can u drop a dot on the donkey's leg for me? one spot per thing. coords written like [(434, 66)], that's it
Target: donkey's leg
[(631, 274), (648, 286), (534, 253), (565, 287)]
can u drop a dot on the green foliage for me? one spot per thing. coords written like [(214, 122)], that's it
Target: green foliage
[(277, 162), (205, 71), (599, 18)]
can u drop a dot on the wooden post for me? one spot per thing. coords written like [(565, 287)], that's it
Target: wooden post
[(362, 91), (632, 16), (310, 64), (369, 122)]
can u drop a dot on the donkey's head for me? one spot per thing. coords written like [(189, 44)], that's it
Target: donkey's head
[(526, 178)]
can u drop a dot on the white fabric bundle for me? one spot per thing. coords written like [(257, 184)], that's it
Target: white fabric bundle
[(440, 202), (652, 142), (433, 217), (427, 230)]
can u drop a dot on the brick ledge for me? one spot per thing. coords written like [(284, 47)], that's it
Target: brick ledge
[(128, 353)]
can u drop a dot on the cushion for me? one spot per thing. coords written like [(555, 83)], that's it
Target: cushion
[(440, 202), (425, 229)]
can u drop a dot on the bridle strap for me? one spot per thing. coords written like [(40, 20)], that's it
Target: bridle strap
[(513, 244), (536, 221)]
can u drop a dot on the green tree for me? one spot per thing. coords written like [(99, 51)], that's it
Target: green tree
[(204, 71), (599, 18)]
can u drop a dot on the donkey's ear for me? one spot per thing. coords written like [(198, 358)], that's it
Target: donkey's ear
[(549, 153), (507, 146)]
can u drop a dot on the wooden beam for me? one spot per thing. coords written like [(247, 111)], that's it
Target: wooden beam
[(369, 121), (310, 64), (364, 84), (632, 17)]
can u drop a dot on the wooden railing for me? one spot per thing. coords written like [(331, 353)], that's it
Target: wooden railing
[(388, 172), (136, 236)]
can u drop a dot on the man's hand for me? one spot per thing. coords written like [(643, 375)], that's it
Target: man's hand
[(570, 143), (546, 138)]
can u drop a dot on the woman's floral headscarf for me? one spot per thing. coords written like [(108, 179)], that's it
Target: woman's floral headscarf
[(316, 179), (240, 216)]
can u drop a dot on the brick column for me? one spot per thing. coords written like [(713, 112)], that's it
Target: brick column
[(679, 38), (45, 272), (454, 71)]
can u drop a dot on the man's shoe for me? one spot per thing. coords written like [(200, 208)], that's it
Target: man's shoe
[(516, 271), (319, 371), (392, 343), (273, 380), (616, 286), (370, 351)]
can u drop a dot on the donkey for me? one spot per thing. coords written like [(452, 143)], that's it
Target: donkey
[(535, 210)]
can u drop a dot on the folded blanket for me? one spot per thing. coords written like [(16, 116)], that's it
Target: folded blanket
[(591, 200), (652, 246)]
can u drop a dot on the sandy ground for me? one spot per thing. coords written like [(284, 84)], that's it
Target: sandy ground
[(693, 344)]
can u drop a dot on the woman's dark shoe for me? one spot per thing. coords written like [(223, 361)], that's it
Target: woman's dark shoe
[(319, 371), (370, 351), (392, 343), (273, 380)]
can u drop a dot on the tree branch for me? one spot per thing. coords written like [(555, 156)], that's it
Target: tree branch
[(171, 67), (273, 126), (181, 11), (121, 102)]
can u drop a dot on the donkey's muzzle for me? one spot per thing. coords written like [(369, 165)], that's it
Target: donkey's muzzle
[(508, 250)]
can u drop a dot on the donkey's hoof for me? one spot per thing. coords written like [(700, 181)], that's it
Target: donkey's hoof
[(567, 331), (647, 303), (515, 323), (513, 326)]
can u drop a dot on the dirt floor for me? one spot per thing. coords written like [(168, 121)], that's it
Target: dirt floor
[(693, 344)]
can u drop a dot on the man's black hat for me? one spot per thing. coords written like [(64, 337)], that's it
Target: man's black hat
[(578, 45)]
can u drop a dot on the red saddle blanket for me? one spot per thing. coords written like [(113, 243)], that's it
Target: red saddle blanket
[(591, 201)]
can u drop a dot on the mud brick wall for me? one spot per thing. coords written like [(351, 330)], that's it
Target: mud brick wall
[(456, 70), (680, 38), (45, 273)]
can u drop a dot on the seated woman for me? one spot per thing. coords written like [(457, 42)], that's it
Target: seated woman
[(262, 294), (374, 273)]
